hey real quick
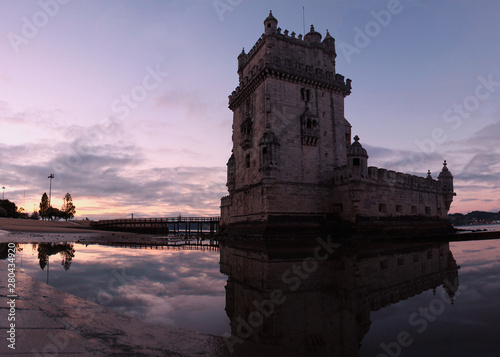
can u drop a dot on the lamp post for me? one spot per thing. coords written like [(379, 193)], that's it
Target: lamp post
[(51, 176), (3, 192)]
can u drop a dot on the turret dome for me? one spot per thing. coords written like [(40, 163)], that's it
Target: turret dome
[(356, 149), (445, 173), (270, 24), (313, 36)]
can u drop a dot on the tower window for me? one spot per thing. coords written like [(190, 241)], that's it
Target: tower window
[(356, 162), (247, 161), (305, 94)]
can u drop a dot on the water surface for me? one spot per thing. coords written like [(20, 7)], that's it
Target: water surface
[(181, 288), (382, 300)]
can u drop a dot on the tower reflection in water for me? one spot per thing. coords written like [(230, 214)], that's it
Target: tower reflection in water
[(299, 298)]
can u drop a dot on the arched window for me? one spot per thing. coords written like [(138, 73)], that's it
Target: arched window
[(310, 128)]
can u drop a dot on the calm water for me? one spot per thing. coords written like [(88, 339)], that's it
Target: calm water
[(428, 299), (182, 288), (469, 327)]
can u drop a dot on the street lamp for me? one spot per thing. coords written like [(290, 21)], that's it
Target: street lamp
[(51, 176), (3, 192)]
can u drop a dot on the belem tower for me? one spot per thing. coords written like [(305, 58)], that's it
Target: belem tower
[(294, 163)]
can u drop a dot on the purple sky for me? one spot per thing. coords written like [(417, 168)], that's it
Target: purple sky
[(126, 101)]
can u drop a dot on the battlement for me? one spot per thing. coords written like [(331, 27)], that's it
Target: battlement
[(342, 175), (283, 57), (290, 38)]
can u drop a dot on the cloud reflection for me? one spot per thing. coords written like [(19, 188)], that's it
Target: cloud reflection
[(166, 287)]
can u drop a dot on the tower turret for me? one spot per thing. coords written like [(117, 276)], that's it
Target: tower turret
[(446, 179), (313, 36), (357, 159), (231, 174), (242, 60), (329, 45), (270, 24)]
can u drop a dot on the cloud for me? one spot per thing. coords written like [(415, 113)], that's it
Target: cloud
[(482, 168), (406, 161), (113, 178)]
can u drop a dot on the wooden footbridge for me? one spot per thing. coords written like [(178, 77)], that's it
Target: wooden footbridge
[(188, 226)]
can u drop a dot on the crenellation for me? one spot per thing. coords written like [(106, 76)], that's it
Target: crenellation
[(391, 176), (382, 175), (373, 172)]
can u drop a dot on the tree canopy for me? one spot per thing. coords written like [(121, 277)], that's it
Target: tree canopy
[(68, 209), (44, 205)]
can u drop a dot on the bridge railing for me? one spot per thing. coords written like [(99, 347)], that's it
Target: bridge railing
[(159, 220), (162, 225)]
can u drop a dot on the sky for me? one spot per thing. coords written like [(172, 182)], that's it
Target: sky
[(125, 102)]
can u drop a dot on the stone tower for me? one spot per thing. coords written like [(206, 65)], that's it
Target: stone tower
[(293, 165), (289, 130)]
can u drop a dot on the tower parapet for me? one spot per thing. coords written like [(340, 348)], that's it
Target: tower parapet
[(273, 60)]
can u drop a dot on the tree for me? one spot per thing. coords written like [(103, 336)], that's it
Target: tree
[(44, 205), (68, 207), (10, 208), (53, 213)]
